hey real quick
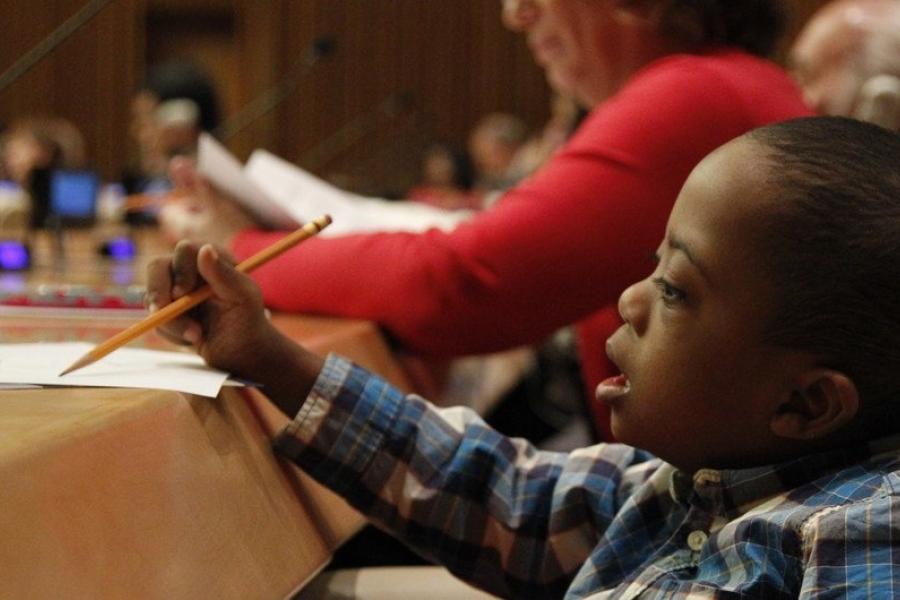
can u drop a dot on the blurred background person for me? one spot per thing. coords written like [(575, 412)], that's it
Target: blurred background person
[(847, 59), (173, 106), (28, 146), (447, 179), (565, 117), (40, 142), (493, 144)]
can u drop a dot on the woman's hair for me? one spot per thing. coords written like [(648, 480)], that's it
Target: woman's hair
[(831, 244), (754, 25)]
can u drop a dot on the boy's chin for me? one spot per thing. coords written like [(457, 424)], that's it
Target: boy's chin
[(622, 430)]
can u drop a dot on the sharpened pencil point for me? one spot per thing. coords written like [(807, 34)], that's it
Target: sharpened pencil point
[(81, 362)]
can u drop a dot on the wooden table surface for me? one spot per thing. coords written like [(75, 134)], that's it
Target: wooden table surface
[(114, 493)]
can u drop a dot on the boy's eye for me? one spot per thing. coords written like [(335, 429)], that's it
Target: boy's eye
[(668, 293)]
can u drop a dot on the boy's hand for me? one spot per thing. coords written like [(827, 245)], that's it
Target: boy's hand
[(230, 330)]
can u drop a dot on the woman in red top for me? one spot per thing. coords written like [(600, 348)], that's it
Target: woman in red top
[(668, 80)]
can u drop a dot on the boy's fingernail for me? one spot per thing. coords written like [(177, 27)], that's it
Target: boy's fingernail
[(153, 307), (192, 335)]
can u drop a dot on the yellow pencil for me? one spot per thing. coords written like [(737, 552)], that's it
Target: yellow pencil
[(188, 301)]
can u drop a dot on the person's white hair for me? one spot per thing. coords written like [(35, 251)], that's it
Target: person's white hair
[(861, 40)]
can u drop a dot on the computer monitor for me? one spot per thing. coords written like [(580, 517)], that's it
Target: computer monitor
[(64, 197)]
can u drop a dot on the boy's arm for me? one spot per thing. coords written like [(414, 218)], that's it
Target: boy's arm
[(495, 511)]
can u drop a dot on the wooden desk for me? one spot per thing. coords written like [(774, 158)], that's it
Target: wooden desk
[(154, 494)]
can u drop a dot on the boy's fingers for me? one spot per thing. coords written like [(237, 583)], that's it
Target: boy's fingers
[(227, 283), (159, 284), (184, 269), (181, 331)]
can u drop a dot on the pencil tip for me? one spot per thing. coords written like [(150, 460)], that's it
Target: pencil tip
[(81, 362)]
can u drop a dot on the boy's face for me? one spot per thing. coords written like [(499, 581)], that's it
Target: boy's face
[(700, 386)]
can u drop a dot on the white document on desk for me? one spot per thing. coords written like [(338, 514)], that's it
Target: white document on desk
[(41, 363)]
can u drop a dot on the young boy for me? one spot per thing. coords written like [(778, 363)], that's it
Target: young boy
[(760, 364)]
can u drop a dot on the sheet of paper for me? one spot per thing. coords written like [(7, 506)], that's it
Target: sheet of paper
[(224, 170), (305, 196), (281, 195), (41, 363)]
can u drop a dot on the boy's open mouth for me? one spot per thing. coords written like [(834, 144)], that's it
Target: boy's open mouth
[(613, 388)]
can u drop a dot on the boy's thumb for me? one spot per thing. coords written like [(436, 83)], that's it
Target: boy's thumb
[(226, 282)]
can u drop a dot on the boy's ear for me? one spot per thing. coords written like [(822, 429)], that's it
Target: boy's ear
[(824, 402)]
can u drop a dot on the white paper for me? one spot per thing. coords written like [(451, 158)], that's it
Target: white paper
[(281, 195), (41, 363), (304, 196), (224, 171)]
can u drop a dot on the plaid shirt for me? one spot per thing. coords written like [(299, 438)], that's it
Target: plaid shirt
[(601, 522)]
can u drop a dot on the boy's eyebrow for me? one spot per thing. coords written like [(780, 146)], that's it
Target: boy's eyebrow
[(677, 244)]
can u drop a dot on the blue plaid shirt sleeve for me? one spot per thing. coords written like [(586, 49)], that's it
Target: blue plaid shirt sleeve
[(495, 511)]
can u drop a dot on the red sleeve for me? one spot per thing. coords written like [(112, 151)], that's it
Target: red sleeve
[(556, 248)]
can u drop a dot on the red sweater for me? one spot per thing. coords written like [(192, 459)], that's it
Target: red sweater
[(559, 248)]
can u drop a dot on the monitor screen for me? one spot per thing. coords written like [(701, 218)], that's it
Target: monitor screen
[(73, 195)]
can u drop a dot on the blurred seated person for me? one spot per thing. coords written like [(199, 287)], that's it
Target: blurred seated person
[(493, 144), (40, 142), (447, 179), (174, 105), (847, 59), (565, 116)]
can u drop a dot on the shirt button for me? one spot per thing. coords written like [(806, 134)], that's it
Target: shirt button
[(696, 540)]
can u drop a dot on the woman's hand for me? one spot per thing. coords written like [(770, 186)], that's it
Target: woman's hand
[(200, 212)]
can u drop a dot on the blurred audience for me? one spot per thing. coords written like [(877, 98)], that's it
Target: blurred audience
[(447, 179), (847, 59), (176, 102), (40, 142), (493, 144), (565, 116)]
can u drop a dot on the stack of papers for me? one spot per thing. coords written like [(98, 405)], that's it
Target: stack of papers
[(26, 365)]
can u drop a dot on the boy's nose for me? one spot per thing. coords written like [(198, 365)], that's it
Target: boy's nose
[(633, 306), (519, 15)]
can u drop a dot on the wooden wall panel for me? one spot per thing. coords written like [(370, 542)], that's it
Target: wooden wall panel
[(83, 79), (450, 59)]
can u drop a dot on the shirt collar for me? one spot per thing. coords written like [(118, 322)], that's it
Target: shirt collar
[(735, 491)]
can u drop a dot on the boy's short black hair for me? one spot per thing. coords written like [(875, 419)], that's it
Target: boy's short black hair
[(832, 247), (754, 25)]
